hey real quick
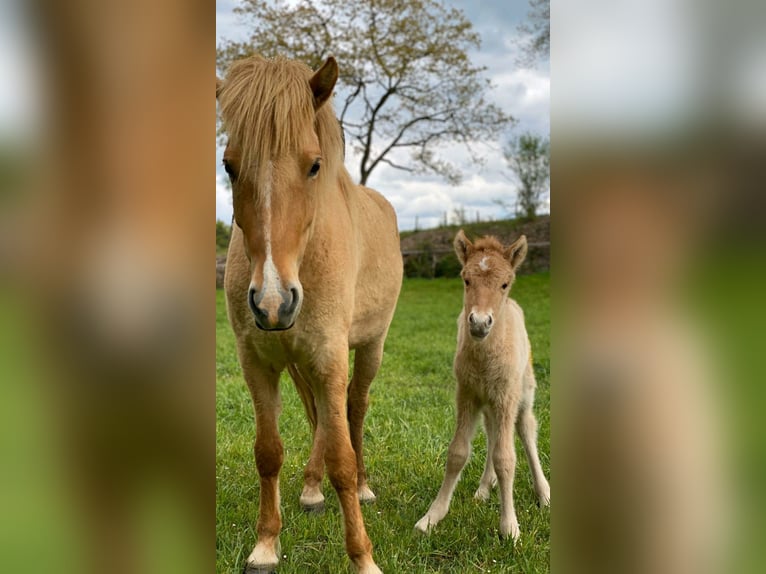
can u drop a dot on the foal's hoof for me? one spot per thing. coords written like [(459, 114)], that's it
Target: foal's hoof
[(424, 525)]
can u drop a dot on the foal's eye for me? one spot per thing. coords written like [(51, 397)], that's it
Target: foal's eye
[(314, 169), (505, 286), (467, 282)]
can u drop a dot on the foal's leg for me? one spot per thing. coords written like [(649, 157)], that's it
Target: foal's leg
[(488, 478), (526, 426), (457, 456), (330, 388), (504, 459), (264, 389), (366, 364)]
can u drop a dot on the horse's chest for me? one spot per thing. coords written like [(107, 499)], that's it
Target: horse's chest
[(489, 376)]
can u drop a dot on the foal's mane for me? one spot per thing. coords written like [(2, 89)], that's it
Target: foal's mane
[(266, 106), (488, 243)]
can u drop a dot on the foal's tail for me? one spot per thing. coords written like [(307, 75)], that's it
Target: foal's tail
[(306, 394)]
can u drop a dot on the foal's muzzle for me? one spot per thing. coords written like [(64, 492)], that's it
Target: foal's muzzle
[(480, 324), (275, 315)]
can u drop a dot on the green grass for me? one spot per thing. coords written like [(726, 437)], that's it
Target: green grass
[(408, 428)]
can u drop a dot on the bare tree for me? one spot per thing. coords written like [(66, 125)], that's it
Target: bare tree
[(536, 32), (528, 156), (406, 81)]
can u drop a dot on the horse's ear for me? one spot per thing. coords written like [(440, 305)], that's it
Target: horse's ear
[(463, 247), (323, 82), (516, 252), (218, 86)]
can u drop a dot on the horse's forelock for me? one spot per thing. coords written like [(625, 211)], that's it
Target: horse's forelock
[(266, 106)]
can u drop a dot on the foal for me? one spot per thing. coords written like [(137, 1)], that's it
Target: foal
[(493, 367)]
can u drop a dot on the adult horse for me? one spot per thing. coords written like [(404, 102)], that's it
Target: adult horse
[(314, 269)]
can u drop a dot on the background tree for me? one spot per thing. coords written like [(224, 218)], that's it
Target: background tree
[(222, 236), (406, 82), (536, 32), (528, 156)]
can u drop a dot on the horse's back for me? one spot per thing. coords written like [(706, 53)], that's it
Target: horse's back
[(379, 278)]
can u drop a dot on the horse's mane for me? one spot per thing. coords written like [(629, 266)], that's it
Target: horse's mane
[(266, 105)]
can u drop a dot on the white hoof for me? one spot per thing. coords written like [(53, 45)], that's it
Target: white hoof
[(482, 493), (263, 558), (425, 525), (511, 530), (312, 500), (366, 496), (370, 568), (545, 496)]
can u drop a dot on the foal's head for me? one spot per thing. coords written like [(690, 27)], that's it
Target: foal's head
[(284, 146), (489, 269)]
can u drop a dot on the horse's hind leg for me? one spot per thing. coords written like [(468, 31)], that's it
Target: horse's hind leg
[(367, 361), (312, 499), (264, 389), (488, 478), (526, 426)]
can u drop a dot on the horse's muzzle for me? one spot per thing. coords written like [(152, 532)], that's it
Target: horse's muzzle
[(480, 324), (275, 315)]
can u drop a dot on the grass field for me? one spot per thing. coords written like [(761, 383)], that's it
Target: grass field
[(408, 428)]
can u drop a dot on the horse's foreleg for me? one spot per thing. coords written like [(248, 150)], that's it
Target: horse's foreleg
[(366, 364), (264, 389), (341, 460)]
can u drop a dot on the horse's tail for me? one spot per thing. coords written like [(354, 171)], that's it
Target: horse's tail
[(305, 393)]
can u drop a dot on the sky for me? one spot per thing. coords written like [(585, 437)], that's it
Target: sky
[(524, 93)]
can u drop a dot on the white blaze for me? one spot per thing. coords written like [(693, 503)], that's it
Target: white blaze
[(483, 264), (270, 274)]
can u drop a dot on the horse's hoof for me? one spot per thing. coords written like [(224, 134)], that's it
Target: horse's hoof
[(316, 508), (249, 569), (366, 496)]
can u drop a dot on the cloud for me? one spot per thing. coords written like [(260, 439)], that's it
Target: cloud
[(223, 207)]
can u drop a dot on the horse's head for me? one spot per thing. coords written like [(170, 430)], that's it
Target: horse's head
[(489, 269), (281, 142)]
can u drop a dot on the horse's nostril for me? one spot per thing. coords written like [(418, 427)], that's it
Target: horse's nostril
[(293, 301), (471, 318), (489, 321), (251, 300)]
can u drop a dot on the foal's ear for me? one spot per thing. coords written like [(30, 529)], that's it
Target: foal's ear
[(463, 247), (218, 86), (323, 81), (516, 252)]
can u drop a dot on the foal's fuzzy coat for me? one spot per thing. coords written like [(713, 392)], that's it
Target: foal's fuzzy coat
[(493, 367)]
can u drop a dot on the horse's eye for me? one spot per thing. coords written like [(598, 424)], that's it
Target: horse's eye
[(314, 169), (505, 286), (467, 282), (230, 171)]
